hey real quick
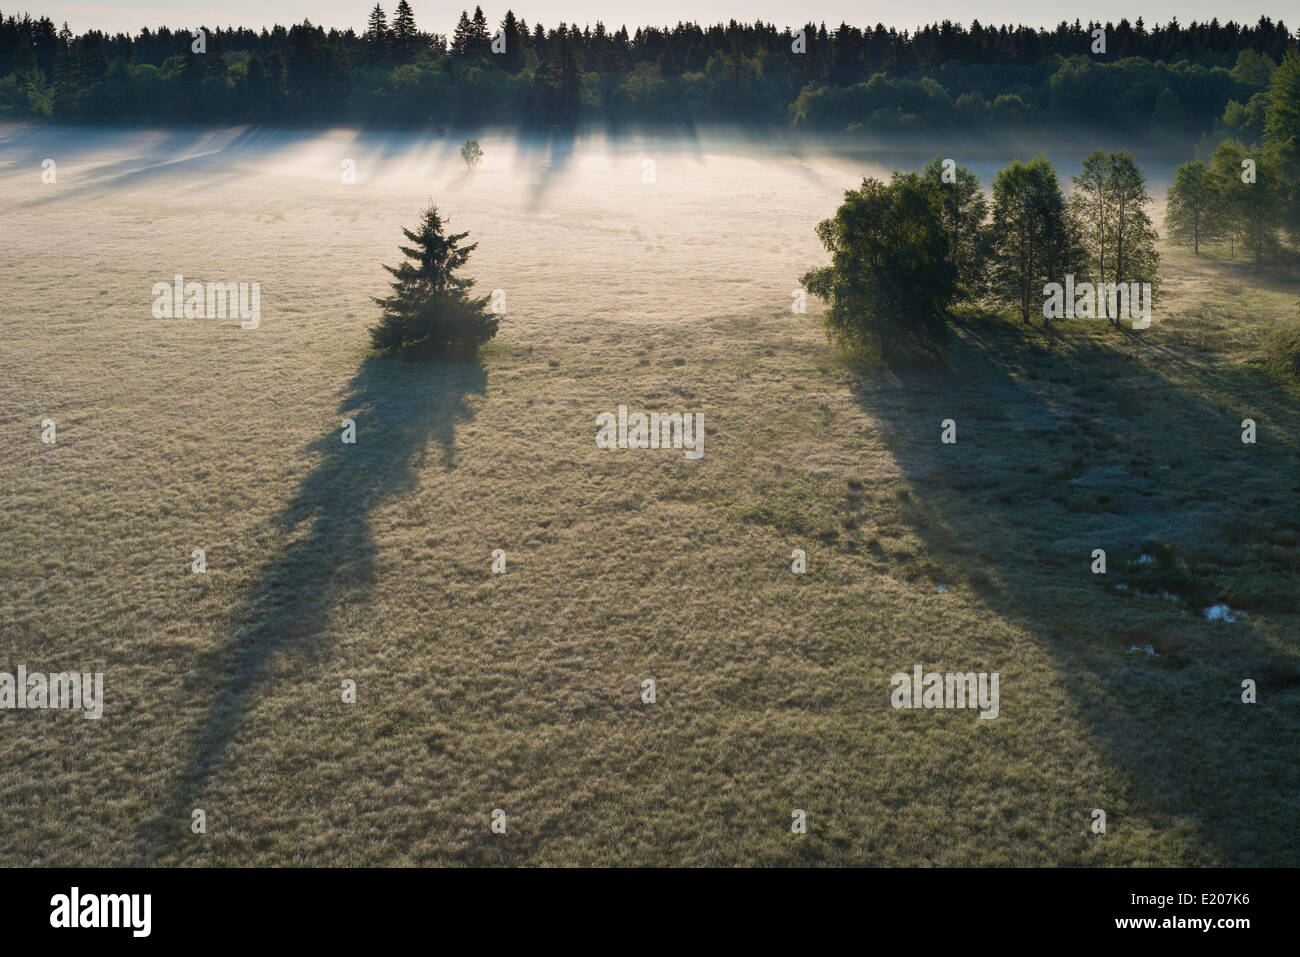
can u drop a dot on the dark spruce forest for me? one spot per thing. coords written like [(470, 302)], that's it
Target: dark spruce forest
[(1172, 80)]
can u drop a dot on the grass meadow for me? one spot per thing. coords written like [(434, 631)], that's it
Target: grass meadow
[(522, 691)]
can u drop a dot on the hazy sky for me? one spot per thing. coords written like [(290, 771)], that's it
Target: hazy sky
[(440, 15)]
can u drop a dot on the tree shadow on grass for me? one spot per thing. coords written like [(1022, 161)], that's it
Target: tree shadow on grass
[(546, 155), (400, 410), (1275, 274), (1066, 444), (187, 153)]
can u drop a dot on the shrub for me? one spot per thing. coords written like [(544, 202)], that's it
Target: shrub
[(1282, 352)]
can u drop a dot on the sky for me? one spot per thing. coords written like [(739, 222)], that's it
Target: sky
[(439, 16)]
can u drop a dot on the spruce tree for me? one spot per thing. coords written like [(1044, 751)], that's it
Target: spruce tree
[(65, 88), (482, 38), (431, 311), (404, 31), (514, 42), (462, 40), (377, 32)]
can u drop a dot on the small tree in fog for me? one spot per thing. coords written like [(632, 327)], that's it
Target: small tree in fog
[(471, 153), (1192, 215), (431, 311)]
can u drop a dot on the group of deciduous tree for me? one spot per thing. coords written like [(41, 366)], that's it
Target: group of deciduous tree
[(1246, 195), (904, 252)]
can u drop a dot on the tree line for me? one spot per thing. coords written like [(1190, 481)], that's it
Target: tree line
[(1166, 79)]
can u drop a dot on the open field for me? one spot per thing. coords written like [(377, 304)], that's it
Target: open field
[(521, 691)]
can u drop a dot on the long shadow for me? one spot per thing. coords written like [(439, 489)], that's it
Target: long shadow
[(70, 145), (1271, 276), (547, 154), (186, 153), (401, 409), (1067, 444)]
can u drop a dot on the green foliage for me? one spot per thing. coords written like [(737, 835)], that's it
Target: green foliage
[(471, 153), (1252, 211), (1282, 124), (1109, 205), (1282, 351), (891, 277), (430, 311), (1246, 122), (1193, 213), (1253, 69), (1175, 79), (405, 34), (377, 36), (1010, 110), (964, 210), (1034, 239), (1225, 169), (1168, 115), (1282, 134)]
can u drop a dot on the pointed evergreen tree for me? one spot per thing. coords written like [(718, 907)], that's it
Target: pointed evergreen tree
[(430, 311), (90, 74), (376, 34), (24, 56), (570, 81), (254, 89), (404, 31), (462, 41), (65, 89), (515, 39), (274, 69), (482, 39), (668, 67)]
